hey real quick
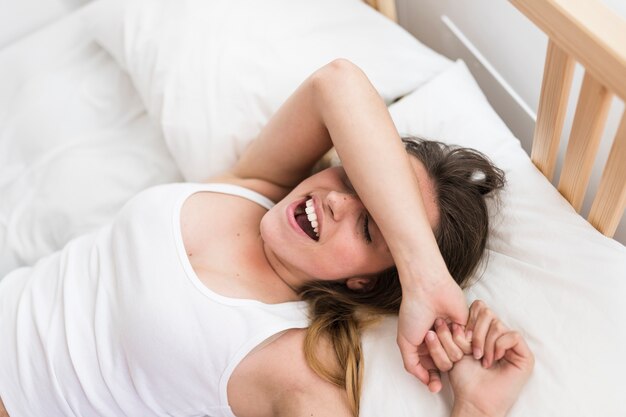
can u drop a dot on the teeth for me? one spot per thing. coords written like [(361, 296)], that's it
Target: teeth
[(310, 214)]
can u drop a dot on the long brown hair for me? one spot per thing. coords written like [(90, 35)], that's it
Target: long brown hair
[(462, 178)]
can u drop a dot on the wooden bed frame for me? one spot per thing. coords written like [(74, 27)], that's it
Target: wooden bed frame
[(589, 33), (586, 32), (386, 7)]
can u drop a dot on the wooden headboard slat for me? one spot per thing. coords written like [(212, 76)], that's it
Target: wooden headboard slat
[(589, 31), (589, 120), (557, 80), (584, 31), (385, 7), (610, 201)]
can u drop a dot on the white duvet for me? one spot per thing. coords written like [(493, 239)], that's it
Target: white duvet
[(75, 142)]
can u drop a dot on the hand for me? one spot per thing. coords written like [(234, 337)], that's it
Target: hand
[(489, 386), (443, 348), (418, 311)]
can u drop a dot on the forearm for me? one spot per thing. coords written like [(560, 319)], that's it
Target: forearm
[(379, 167)]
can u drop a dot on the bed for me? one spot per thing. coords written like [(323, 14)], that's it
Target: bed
[(118, 96)]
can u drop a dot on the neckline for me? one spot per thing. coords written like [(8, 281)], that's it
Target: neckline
[(186, 264)]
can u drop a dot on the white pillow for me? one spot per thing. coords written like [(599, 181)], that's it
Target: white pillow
[(213, 72), (75, 142), (549, 274)]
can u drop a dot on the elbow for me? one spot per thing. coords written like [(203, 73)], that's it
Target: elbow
[(341, 66), (336, 73)]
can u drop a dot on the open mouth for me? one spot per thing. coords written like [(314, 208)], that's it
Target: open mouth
[(307, 219)]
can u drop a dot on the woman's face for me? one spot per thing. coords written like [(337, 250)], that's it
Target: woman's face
[(322, 231)]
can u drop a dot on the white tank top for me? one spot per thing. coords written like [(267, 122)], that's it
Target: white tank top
[(118, 324)]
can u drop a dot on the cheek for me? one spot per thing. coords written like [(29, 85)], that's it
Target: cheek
[(343, 258), (353, 257)]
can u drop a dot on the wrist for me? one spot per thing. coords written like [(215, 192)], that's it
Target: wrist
[(466, 409), (420, 276)]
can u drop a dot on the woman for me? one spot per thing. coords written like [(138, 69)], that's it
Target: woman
[(190, 303)]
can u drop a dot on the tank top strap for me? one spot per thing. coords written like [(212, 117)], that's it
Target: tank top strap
[(238, 191)]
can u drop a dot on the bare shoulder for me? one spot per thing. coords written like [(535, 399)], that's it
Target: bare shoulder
[(278, 375), (270, 190)]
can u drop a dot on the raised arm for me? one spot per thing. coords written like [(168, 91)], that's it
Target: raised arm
[(338, 106), (288, 147)]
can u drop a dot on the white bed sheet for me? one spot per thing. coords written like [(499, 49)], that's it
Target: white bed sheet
[(75, 141)]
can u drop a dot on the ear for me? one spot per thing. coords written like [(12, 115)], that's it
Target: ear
[(361, 284)]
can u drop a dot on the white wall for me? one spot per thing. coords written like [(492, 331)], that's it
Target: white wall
[(515, 49)]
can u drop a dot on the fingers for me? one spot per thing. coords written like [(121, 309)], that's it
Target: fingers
[(437, 352), (513, 348), (474, 310), (434, 382), (445, 347), (453, 351), (483, 322), (496, 330), (434, 385), (486, 329), (486, 338), (504, 343), (462, 339), (411, 360)]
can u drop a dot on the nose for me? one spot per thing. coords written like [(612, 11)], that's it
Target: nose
[(342, 204)]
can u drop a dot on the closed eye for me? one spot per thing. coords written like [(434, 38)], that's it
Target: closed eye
[(366, 229)]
